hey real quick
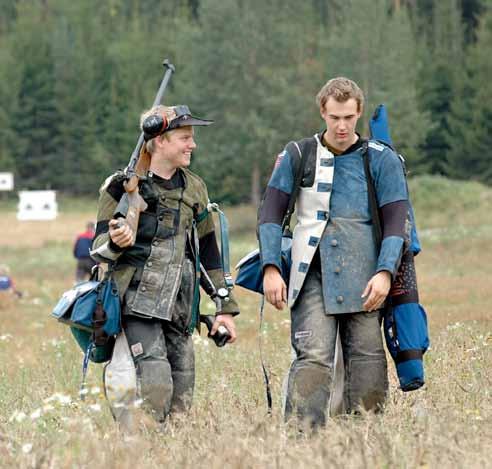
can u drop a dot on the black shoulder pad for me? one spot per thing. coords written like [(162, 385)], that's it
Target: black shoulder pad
[(306, 146), (115, 187)]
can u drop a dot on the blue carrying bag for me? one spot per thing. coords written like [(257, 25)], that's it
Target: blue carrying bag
[(92, 310), (250, 271), (405, 320)]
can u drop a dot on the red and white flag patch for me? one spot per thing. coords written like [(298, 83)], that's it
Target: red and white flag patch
[(279, 159)]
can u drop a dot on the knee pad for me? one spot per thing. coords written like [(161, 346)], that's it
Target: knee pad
[(308, 393), (367, 383), (156, 386)]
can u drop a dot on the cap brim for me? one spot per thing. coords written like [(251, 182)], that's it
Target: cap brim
[(186, 121)]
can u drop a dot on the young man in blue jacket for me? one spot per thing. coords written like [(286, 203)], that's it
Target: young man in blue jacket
[(339, 278)]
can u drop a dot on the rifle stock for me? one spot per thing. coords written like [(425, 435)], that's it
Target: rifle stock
[(132, 203)]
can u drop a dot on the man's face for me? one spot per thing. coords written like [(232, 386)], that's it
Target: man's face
[(341, 119), (177, 146)]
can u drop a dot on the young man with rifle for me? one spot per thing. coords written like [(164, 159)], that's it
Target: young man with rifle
[(339, 277), (156, 261)]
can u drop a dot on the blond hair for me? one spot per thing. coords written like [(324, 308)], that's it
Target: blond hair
[(160, 109), (341, 89)]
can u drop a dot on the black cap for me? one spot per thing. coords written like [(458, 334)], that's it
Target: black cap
[(157, 124)]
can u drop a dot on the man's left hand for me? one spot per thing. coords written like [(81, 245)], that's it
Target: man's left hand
[(227, 321), (377, 290)]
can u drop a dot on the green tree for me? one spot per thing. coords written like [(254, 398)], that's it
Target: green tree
[(34, 117), (253, 67), (9, 92), (470, 135), (441, 77), (378, 51)]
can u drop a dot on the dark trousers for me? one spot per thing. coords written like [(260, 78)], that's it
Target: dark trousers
[(165, 364), (313, 338), (84, 268)]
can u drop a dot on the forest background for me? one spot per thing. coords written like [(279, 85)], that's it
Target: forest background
[(76, 75)]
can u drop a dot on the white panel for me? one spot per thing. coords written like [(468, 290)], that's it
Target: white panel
[(6, 181), (37, 205)]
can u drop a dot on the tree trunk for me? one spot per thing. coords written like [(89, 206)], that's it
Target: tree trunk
[(255, 185)]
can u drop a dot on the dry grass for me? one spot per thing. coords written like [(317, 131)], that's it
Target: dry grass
[(446, 424)]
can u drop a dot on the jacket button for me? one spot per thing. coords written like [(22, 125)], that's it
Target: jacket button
[(161, 218), (144, 289), (149, 263), (337, 269), (339, 299), (334, 242)]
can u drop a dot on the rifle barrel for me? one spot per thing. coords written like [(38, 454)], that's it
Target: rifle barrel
[(170, 69)]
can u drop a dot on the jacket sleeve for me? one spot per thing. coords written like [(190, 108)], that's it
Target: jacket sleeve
[(103, 249), (210, 255), (273, 208), (392, 195)]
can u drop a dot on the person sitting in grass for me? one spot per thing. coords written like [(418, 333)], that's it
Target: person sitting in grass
[(7, 282)]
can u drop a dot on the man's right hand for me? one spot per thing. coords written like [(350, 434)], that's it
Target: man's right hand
[(274, 287), (120, 233)]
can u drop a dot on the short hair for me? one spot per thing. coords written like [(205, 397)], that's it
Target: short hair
[(341, 89), (167, 111)]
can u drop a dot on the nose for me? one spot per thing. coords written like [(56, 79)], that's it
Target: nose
[(193, 145)]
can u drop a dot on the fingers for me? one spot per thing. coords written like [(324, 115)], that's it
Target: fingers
[(376, 297), (367, 289), (215, 327), (227, 321), (274, 287), (120, 233), (374, 302), (276, 295), (377, 290)]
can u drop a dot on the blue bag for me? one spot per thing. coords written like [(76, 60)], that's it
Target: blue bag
[(250, 271), (379, 128), (405, 320), (405, 330), (92, 310)]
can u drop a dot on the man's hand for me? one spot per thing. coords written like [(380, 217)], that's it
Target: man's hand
[(274, 287), (120, 233), (227, 321), (377, 290)]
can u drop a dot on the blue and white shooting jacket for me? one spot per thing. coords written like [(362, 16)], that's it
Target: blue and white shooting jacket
[(334, 220)]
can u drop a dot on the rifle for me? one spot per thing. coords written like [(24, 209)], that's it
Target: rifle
[(132, 203)]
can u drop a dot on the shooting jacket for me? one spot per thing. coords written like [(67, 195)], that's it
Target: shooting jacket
[(162, 243), (334, 220)]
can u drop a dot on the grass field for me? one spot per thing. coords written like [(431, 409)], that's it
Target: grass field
[(448, 423)]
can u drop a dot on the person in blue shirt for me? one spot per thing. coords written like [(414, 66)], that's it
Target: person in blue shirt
[(7, 284), (81, 250), (339, 279)]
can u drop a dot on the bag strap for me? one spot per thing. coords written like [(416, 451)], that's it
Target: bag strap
[(286, 232), (262, 360), (371, 192), (224, 244), (195, 244), (99, 318), (295, 190)]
